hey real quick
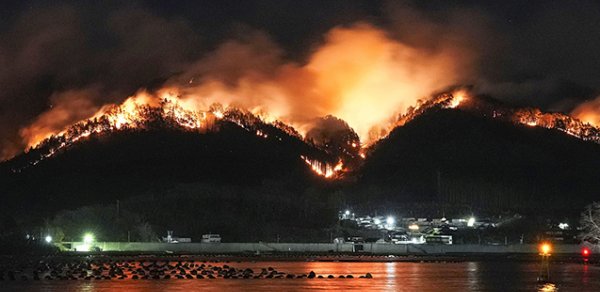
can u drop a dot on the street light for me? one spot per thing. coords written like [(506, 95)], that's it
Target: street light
[(347, 212), (390, 220), (545, 249), (88, 238), (48, 239), (471, 222)]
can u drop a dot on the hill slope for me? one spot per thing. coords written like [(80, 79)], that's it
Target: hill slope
[(456, 156), (126, 163)]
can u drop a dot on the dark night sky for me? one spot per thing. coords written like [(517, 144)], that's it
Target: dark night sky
[(541, 53)]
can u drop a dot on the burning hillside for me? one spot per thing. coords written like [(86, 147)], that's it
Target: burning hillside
[(145, 111), (360, 74), (531, 117), (329, 134)]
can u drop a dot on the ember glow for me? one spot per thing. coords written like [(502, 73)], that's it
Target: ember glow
[(450, 100), (569, 125), (324, 169), (456, 99), (134, 113), (589, 112)]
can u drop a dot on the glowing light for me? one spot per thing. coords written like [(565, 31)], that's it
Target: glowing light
[(88, 238), (531, 123), (48, 239), (545, 249), (585, 252), (218, 114), (471, 222), (563, 225), (588, 112), (413, 227), (390, 220), (82, 247), (324, 169), (457, 98)]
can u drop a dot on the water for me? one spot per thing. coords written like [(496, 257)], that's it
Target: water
[(390, 276)]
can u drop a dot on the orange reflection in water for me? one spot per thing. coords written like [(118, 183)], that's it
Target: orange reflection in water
[(387, 276)]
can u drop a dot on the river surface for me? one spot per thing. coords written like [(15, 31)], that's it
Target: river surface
[(387, 276)]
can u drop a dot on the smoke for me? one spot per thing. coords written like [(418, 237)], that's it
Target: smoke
[(58, 64), (61, 63), (335, 136), (359, 74), (66, 108)]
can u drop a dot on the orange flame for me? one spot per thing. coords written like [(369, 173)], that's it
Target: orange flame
[(589, 112), (323, 169)]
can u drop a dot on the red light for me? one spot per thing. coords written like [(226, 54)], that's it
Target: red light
[(585, 251)]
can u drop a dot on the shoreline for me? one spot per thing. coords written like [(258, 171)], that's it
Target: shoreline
[(303, 257)]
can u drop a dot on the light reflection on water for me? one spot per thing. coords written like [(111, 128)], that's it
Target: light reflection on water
[(548, 288), (387, 276)]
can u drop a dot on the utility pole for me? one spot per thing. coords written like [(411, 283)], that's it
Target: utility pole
[(439, 185), (439, 192)]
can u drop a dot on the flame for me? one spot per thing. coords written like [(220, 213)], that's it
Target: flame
[(531, 123), (140, 109), (589, 112), (324, 169), (132, 113), (449, 100), (456, 99), (136, 111)]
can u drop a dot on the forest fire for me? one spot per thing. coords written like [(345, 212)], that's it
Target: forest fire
[(360, 74), (449, 100), (138, 111), (142, 109), (535, 118), (324, 169)]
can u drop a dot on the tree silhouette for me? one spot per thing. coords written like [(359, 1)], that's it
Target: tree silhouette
[(590, 221)]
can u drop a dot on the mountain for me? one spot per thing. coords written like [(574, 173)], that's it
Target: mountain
[(112, 165), (210, 171), (460, 156)]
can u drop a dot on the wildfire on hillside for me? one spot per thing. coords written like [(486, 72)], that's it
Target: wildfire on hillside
[(360, 75), (324, 169), (535, 118), (138, 111), (144, 108)]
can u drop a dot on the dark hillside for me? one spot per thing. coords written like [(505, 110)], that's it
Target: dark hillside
[(455, 156)]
